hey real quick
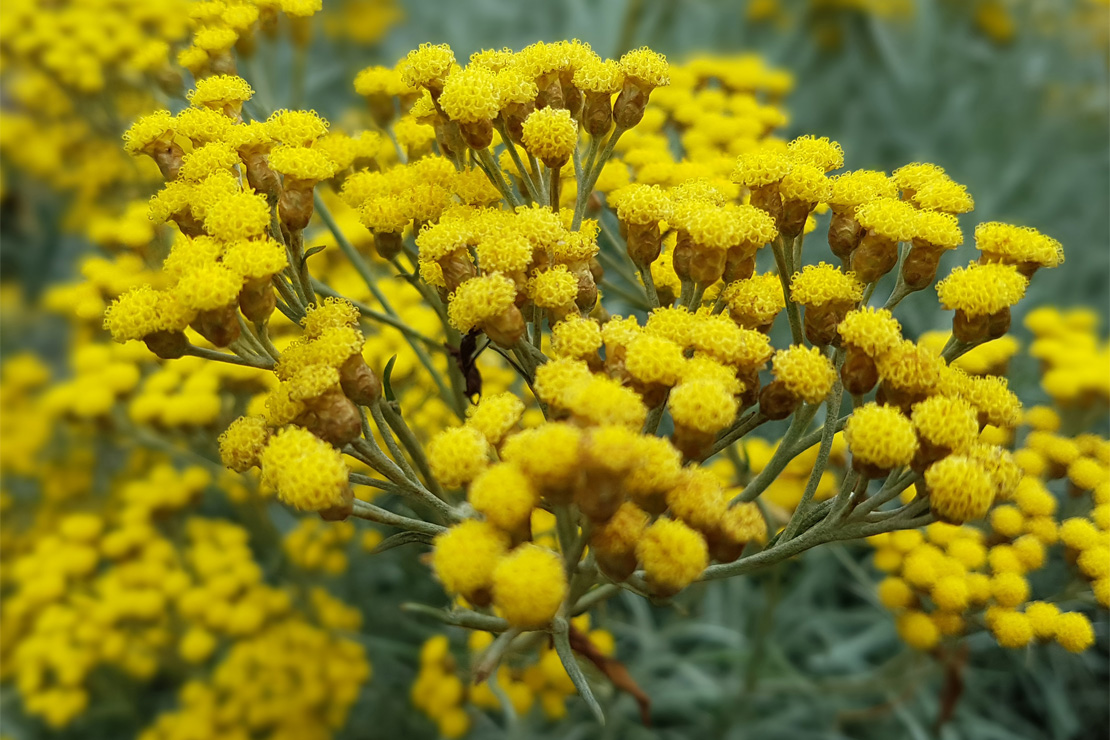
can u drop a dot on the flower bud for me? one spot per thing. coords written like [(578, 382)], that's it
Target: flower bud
[(332, 417), (219, 326), (876, 256), (359, 382), (844, 234), (257, 300), (169, 345), (776, 401)]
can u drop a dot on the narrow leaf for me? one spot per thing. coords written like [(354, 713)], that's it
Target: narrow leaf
[(401, 538), (386, 387), (561, 638)]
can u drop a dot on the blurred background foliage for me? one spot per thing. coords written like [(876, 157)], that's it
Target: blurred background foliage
[(1011, 99)]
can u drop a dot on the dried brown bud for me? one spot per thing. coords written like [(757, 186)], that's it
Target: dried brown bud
[(219, 326), (844, 234), (169, 345), (333, 418), (477, 135), (295, 204), (776, 401), (875, 257), (257, 300), (506, 328), (359, 382), (597, 114), (859, 372)]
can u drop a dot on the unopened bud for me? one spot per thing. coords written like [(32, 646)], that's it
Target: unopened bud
[(776, 401), (257, 300), (169, 345), (506, 328), (844, 234), (220, 326), (859, 372), (359, 382), (875, 257)]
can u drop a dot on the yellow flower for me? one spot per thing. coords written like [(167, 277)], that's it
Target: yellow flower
[(817, 152), (960, 490), (495, 415), (917, 630), (1073, 631), (306, 472), (465, 556), (980, 290), (470, 95), (672, 554), (807, 373), (218, 91), (529, 585), (457, 455), (818, 285), (645, 68), (880, 437), (504, 495), (949, 423), (242, 443), (427, 66), (551, 135)]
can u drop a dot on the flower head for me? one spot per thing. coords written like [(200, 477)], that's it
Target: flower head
[(980, 290), (880, 436), (806, 372), (551, 134), (306, 472), (529, 586)]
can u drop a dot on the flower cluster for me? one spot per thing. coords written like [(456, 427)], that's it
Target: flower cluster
[(530, 321)]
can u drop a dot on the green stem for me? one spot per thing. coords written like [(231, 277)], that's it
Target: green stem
[(397, 422), (394, 449), (211, 354), (300, 267), (786, 452), (561, 638), (459, 617), (746, 424), (371, 281), (829, 431), (497, 177), (785, 275), (364, 510), (593, 171), (649, 286), (525, 177)]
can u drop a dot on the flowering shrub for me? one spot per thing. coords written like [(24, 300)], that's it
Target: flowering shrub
[(524, 322)]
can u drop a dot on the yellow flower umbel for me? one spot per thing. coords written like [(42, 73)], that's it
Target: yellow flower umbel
[(881, 439), (828, 295), (802, 374), (959, 489), (529, 585), (981, 295), (672, 554), (885, 222), (866, 334), (306, 472)]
